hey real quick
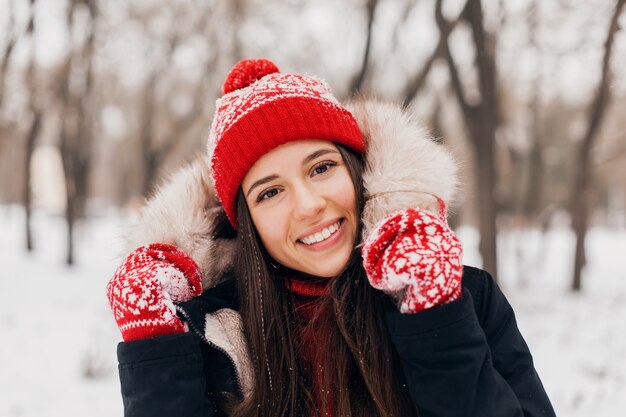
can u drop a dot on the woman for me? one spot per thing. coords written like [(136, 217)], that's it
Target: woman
[(308, 270)]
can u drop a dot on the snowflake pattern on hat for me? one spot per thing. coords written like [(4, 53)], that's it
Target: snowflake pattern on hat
[(273, 87)]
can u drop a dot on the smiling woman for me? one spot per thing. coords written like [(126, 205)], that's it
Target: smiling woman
[(308, 270)]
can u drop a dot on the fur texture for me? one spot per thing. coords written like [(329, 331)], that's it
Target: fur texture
[(182, 212), (225, 329), (404, 166)]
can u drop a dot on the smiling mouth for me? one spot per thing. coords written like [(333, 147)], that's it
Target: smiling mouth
[(322, 235)]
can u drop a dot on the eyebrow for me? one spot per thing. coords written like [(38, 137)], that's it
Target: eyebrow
[(305, 161)]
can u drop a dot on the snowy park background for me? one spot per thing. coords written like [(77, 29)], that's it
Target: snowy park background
[(101, 99), (57, 355)]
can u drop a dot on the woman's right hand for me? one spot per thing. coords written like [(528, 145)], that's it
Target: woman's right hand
[(413, 255), (144, 288)]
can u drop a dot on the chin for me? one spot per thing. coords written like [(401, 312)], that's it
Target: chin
[(324, 266), (334, 268)]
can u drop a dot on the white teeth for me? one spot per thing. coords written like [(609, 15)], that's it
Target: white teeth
[(320, 236)]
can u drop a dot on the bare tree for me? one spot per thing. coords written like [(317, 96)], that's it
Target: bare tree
[(154, 153), (581, 191), (481, 120), (67, 145), (85, 107), (184, 124), (35, 126), (532, 198), (75, 84), (357, 83)]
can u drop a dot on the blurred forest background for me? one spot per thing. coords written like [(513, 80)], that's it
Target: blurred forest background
[(99, 99)]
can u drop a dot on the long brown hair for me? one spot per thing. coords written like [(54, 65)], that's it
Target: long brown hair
[(363, 373)]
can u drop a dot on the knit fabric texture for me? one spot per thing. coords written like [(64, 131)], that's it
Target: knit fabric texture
[(414, 254), (312, 327), (144, 288), (262, 109)]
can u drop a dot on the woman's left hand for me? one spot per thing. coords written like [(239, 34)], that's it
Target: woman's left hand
[(414, 254)]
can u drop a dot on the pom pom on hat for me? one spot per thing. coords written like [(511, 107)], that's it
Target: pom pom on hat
[(247, 72), (262, 109)]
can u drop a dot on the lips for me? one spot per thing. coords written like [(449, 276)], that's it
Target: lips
[(321, 232), (323, 235)]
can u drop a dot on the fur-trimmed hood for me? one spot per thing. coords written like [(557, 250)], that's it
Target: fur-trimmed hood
[(404, 167)]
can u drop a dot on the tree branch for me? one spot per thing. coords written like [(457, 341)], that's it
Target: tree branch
[(602, 97), (445, 29), (581, 187), (357, 83), (8, 51), (457, 87)]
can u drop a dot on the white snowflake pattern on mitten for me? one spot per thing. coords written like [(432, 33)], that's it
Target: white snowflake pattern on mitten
[(414, 253), (144, 288)]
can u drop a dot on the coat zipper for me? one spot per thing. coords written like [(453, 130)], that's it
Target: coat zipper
[(193, 327)]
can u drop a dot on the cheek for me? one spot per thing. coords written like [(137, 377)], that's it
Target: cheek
[(272, 230), (345, 195)]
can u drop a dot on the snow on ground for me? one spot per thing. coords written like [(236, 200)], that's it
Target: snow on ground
[(57, 355), (577, 340)]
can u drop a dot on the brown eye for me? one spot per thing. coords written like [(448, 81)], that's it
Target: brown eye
[(267, 194), (323, 167)]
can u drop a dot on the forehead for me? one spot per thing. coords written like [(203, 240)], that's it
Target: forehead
[(285, 156)]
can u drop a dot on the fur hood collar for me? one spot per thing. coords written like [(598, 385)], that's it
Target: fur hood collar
[(404, 167)]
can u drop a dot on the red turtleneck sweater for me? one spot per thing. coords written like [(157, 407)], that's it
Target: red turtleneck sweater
[(311, 332)]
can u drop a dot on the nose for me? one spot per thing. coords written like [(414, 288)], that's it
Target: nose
[(309, 202)]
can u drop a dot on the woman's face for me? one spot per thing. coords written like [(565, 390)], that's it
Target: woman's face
[(303, 205)]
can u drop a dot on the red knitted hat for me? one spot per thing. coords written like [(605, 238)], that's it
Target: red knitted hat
[(262, 109)]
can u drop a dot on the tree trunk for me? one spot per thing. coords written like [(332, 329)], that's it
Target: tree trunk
[(487, 212), (481, 120), (85, 114), (68, 157), (485, 136), (532, 198), (27, 192), (68, 139), (145, 134), (581, 192), (33, 131)]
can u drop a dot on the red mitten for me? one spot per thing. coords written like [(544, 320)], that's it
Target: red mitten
[(144, 288), (414, 253)]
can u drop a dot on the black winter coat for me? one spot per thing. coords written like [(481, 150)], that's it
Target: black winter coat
[(465, 358)]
